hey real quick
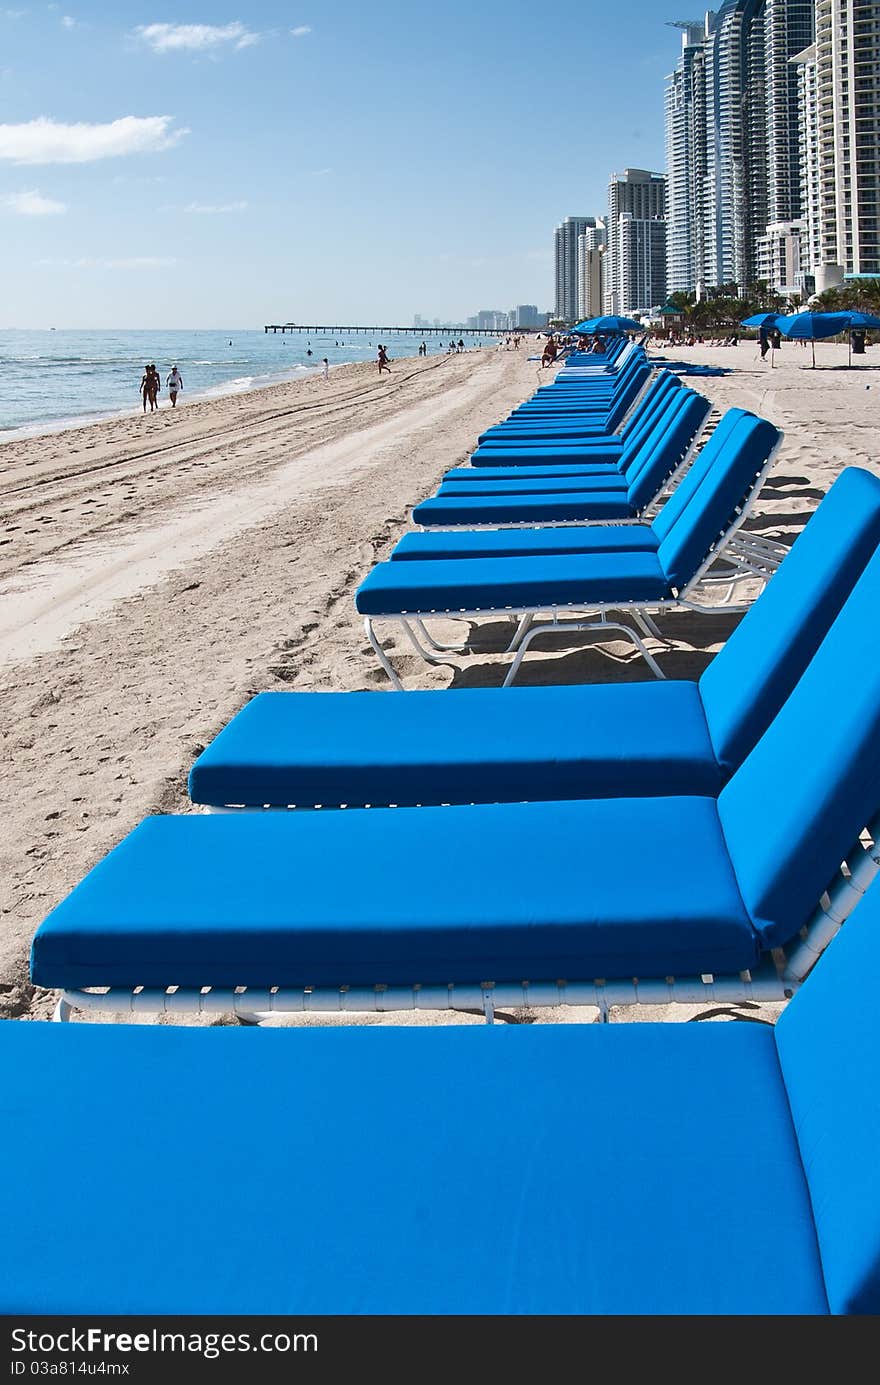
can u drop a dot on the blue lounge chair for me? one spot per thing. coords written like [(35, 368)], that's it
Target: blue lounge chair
[(592, 448), (602, 493), (608, 410), (638, 1149), (732, 896), (703, 513), (622, 491), (594, 741)]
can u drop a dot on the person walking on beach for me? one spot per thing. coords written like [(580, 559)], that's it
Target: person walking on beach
[(175, 384), (326, 368), (150, 387), (382, 359)]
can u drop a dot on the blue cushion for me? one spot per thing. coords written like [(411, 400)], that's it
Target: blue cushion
[(517, 584), (522, 509), (794, 807), (665, 450), (689, 486), (482, 745), (576, 890), (544, 471), (828, 1041), (747, 682), (469, 1170), (500, 543), (607, 451), (734, 467), (608, 479)]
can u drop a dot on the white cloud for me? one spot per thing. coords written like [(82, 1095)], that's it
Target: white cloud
[(33, 203), (67, 22), (45, 141), (13, 14), (301, 30), (169, 38), (215, 208)]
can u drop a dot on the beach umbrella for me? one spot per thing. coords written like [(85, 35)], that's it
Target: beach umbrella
[(761, 320), (856, 320), (812, 327), (764, 320), (610, 324)]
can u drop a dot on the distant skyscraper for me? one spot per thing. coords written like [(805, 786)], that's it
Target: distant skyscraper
[(591, 246), (635, 270), (565, 254), (524, 315)]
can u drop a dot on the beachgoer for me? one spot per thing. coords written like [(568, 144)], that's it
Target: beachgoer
[(382, 360), (175, 384), (154, 386), (145, 386), (460, 344), (309, 352), (326, 364), (763, 340)]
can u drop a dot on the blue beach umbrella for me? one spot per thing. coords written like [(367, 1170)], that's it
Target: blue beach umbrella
[(856, 321), (611, 324), (812, 327), (761, 320)]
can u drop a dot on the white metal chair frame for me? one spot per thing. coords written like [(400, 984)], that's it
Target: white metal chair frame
[(777, 977), (744, 563)]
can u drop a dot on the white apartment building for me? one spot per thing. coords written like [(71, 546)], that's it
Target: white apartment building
[(565, 255), (635, 265), (591, 246), (732, 139), (847, 96)]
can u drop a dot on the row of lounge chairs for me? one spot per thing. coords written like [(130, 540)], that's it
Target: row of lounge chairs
[(600, 844)]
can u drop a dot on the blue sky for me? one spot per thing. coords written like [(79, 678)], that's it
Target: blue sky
[(221, 164)]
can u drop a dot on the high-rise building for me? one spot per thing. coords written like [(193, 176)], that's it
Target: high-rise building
[(524, 315), (591, 245), (687, 133), (847, 114), (804, 64), (491, 320), (733, 140), (565, 254), (635, 268)]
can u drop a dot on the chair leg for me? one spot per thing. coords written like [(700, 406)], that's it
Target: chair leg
[(600, 627), (62, 1012), (521, 631), (441, 648), (381, 655)]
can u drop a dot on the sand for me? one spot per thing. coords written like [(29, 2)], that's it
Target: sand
[(157, 571)]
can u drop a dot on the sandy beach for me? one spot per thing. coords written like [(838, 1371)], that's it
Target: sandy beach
[(156, 571)]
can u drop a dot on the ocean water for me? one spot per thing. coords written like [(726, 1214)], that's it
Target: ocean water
[(51, 379)]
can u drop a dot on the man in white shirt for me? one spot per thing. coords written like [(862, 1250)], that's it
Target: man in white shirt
[(175, 384)]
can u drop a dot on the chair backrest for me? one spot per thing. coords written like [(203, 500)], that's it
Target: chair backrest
[(793, 809), (748, 681), (667, 448), (726, 471), (627, 396), (684, 493), (828, 1040), (646, 413)]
